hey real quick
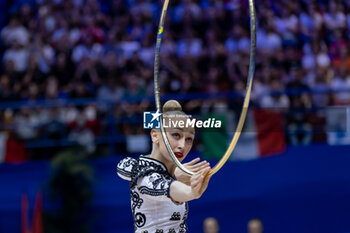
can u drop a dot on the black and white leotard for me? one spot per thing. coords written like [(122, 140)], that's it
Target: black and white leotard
[(152, 207)]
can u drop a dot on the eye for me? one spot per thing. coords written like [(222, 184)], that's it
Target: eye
[(175, 135), (189, 140)]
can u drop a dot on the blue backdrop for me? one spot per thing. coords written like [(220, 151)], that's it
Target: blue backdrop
[(305, 190)]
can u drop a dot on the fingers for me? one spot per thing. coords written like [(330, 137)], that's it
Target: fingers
[(206, 172), (196, 184), (193, 161), (203, 181), (195, 179), (192, 166), (207, 177), (201, 166), (198, 177)]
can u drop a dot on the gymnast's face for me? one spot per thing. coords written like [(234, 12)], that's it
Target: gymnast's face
[(180, 139)]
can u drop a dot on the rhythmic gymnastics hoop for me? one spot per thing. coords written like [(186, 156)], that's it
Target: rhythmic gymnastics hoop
[(242, 117)]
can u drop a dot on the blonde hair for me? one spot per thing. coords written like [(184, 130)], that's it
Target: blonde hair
[(172, 106), (172, 109)]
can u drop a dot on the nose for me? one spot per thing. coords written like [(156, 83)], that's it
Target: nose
[(181, 143)]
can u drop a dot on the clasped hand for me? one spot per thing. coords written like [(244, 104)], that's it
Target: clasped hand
[(199, 180)]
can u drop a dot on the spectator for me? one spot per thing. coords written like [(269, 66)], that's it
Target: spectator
[(74, 49), (255, 226), (15, 32), (211, 225), (18, 54), (6, 93)]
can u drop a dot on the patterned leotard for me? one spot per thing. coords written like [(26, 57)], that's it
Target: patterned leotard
[(152, 207)]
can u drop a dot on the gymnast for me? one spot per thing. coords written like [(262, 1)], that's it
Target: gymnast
[(159, 190)]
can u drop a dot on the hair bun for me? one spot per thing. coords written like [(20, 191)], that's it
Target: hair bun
[(171, 105)]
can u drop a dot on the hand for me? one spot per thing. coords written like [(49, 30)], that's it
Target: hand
[(199, 182), (192, 166), (181, 192)]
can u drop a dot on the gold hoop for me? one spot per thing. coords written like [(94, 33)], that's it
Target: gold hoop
[(242, 117)]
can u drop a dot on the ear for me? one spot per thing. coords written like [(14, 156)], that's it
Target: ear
[(154, 136)]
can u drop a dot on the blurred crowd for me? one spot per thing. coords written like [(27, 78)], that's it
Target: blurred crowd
[(73, 49)]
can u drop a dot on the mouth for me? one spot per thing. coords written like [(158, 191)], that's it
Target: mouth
[(178, 155)]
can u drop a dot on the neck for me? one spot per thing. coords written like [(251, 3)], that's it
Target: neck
[(169, 164)]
